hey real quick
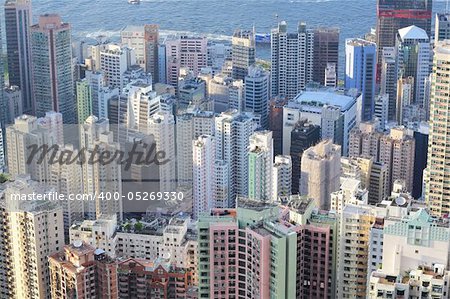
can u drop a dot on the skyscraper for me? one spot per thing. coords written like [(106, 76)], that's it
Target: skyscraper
[(256, 95), (437, 193), (51, 48), (84, 100), (185, 52), (389, 78), (321, 172), (326, 50), (35, 230), (243, 52), (360, 72), (114, 62), (162, 126), (303, 136), (98, 178), (276, 123), (151, 40), (291, 57), (413, 46), (442, 27), (233, 131), (21, 138), (190, 125), (260, 163), (133, 37), (393, 15), (282, 177), (18, 19), (203, 156)]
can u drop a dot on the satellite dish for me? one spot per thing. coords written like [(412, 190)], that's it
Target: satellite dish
[(77, 244), (166, 256), (400, 201)]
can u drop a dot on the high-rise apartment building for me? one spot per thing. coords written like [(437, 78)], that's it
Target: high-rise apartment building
[(23, 140), (276, 123), (304, 135), (389, 78), (144, 40), (437, 194), (162, 126), (354, 231), (292, 59), (84, 100), (226, 270), (190, 124), (100, 178), (82, 271), (441, 27), (65, 178), (34, 230), (114, 61), (321, 172), (397, 150), (393, 15), (233, 131), (151, 40), (243, 53), (256, 94), (185, 52), (133, 37), (326, 50), (14, 103), (282, 178), (360, 72), (51, 60), (18, 19), (203, 157), (260, 164), (316, 248)]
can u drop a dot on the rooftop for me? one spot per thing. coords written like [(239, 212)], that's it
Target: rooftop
[(322, 97), (412, 32)]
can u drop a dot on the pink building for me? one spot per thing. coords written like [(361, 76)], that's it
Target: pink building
[(188, 52)]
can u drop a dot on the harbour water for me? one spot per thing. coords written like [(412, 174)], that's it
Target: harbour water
[(215, 18)]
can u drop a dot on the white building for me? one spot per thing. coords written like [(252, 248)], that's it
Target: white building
[(233, 131), (310, 104), (350, 192), (133, 37), (203, 157), (191, 124), (260, 164), (114, 61), (282, 177), (292, 60)]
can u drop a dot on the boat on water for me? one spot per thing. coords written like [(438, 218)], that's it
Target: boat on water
[(262, 38), (134, 1)]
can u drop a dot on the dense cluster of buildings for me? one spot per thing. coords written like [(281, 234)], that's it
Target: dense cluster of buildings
[(180, 167)]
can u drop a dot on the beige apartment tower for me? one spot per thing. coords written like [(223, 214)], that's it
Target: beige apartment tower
[(437, 193)]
